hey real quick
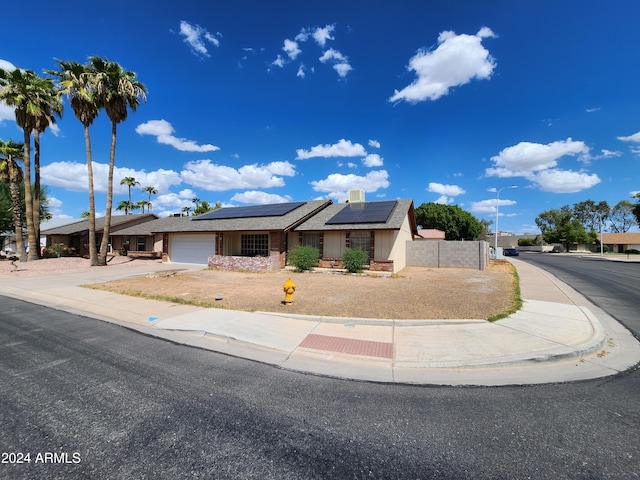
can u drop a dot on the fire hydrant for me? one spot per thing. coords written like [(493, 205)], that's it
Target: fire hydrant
[(289, 287)]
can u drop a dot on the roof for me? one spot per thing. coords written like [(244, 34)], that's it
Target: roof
[(627, 238), (319, 222), (81, 226), (431, 234), (284, 222), (56, 223)]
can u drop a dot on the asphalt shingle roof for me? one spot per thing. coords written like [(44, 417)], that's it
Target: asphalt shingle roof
[(83, 225)]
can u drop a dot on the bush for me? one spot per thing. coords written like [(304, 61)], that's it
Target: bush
[(529, 242), (58, 250), (123, 252), (304, 257), (354, 259)]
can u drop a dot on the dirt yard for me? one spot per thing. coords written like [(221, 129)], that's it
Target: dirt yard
[(414, 293)]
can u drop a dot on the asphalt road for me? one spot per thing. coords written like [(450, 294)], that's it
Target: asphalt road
[(613, 286), (111, 403)]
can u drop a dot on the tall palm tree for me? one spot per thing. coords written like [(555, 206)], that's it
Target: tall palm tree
[(76, 81), (124, 206), (142, 204), (118, 90), (11, 173), (34, 100), (151, 191), (129, 182)]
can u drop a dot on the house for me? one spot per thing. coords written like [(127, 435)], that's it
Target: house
[(236, 238), (620, 242), (259, 237), (76, 235), (380, 228)]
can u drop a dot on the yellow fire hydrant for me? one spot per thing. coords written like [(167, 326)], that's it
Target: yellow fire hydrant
[(289, 287)]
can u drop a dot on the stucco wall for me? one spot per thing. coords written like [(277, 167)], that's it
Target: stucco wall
[(446, 254)]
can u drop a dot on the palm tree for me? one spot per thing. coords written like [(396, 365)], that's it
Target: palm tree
[(35, 103), (142, 204), (186, 210), (124, 206), (11, 173), (151, 191), (117, 90), (129, 182), (76, 81)]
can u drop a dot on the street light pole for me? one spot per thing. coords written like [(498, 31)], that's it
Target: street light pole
[(495, 233)]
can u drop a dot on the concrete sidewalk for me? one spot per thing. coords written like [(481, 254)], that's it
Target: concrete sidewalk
[(557, 336)]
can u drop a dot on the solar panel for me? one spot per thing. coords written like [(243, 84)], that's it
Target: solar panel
[(369, 212), (272, 210)]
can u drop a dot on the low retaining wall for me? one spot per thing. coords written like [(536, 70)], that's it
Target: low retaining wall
[(250, 264), (448, 254)]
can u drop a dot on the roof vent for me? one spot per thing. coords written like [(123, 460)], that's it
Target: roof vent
[(356, 195)]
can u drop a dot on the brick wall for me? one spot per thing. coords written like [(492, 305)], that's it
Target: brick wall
[(448, 254)]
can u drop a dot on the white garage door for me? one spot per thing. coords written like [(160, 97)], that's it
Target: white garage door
[(192, 248)]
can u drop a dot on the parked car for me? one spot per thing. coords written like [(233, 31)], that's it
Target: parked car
[(510, 252)]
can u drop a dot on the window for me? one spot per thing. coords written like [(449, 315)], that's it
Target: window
[(141, 243), (361, 240), (254, 245), (311, 239)]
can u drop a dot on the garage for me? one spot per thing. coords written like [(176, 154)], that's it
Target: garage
[(194, 249)]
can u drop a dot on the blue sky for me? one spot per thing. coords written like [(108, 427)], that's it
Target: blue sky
[(255, 102)]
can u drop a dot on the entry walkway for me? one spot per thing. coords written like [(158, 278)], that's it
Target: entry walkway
[(557, 336)]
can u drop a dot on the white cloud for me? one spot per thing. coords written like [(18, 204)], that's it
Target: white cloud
[(291, 49), (163, 131), (565, 181), (444, 200), (341, 63), (6, 112), (344, 148), (373, 160), (374, 143), (456, 61), (448, 190), (73, 176), (195, 36), (218, 178), (173, 202), (321, 35), (301, 72), (526, 157), (7, 65), (279, 62), (337, 182), (259, 198), (489, 206), (631, 138)]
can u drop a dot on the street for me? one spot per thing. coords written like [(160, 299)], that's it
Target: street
[(113, 403), (611, 285)]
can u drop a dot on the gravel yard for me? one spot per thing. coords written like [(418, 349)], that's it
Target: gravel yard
[(414, 293)]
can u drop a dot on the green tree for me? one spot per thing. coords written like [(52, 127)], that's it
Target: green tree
[(204, 207), (76, 81), (591, 214), (457, 223), (621, 217), (636, 208), (11, 175), (142, 204), (151, 191), (124, 206), (117, 90), (129, 182), (36, 101), (561, 226)]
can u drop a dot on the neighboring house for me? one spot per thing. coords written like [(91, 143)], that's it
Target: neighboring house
[(380, 228), (76, 235), (619, 242)]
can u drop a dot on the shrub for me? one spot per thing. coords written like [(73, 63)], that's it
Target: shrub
[(354, 259), (123, 252), (304, 257), (58, 250)]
